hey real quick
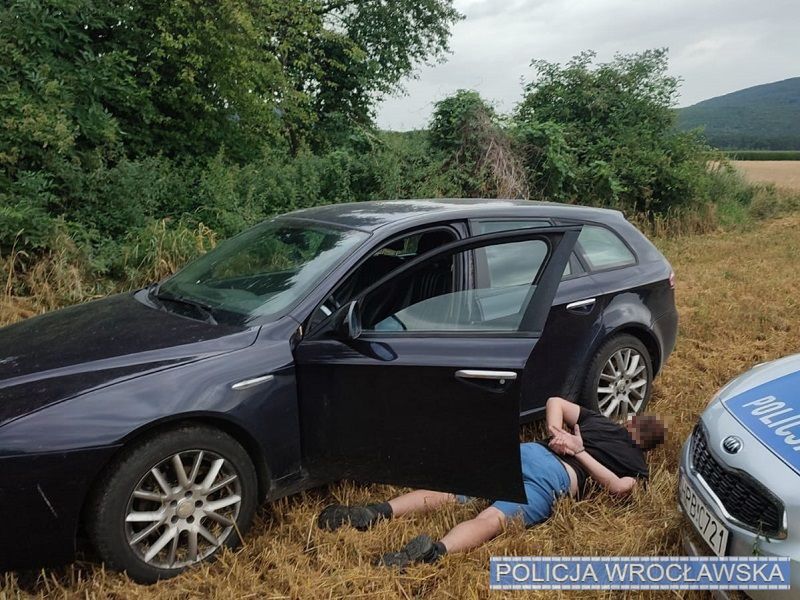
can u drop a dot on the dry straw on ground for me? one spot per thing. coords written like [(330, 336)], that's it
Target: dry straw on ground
[(737, 294)]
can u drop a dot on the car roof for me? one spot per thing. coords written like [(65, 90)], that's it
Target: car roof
[(373, 215)]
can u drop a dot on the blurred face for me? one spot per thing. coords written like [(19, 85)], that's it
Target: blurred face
[(646, 431), (630, 425)]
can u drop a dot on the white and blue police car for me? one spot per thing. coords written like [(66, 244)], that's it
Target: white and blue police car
[(739, 485)]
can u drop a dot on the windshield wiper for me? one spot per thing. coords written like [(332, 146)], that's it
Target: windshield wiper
[(203, 309)]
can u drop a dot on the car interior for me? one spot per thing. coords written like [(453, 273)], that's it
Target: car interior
[(435, 279)]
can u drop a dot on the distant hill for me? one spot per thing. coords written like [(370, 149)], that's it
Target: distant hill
[(764, 117)]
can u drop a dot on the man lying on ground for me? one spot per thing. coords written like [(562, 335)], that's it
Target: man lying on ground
[(583, 445)]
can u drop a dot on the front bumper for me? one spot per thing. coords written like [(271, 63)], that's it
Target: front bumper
[(761, 464), (41, 498), (693, 545)]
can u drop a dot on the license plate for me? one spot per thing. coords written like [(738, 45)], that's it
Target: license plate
[(707, 525)]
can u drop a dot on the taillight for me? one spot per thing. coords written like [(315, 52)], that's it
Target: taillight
[(672, 280)]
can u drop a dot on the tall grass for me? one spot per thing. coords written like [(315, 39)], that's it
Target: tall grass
[(71, 271), (35, 284), (678, 222), (155, 251), (66, 274)]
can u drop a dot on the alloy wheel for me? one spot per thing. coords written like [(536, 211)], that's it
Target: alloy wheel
[(623, 383), (183, 509)]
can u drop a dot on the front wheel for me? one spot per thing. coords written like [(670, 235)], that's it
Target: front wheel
[(171, 501), (619, 380)]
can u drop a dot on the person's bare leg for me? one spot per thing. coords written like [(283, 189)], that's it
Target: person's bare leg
[(419, 501), (362, 517), (463, 536), (470, 534)]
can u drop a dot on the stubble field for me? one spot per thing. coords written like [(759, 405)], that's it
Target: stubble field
[(737, 295), (784, 174)]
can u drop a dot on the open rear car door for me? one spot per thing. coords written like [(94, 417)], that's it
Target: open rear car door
[(418, 382)]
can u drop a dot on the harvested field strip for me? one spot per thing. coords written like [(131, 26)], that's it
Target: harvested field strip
[(783, 173)]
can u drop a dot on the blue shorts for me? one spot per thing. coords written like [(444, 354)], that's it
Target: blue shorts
[(545, 479)]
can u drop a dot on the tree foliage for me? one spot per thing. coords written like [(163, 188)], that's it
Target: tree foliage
[(125, 119), (93, 94), (604, 134), (136, 77)]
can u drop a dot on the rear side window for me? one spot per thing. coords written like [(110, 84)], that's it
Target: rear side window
[(514, 264), (603, 249)]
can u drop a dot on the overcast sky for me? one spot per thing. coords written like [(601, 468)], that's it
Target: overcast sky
[(716, 46)]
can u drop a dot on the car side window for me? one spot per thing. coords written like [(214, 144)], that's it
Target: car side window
[(509, 265), (603, 249), (412, 302), (382, 262)]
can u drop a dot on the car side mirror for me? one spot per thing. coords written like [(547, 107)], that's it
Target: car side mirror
[(348, 321)]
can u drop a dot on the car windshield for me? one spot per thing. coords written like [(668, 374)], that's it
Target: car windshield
[(261, 273)]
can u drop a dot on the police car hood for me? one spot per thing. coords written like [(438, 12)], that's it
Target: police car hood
[(766, 402)]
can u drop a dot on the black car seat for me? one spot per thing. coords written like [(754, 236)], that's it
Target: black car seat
[(436, 278), (372, 270)]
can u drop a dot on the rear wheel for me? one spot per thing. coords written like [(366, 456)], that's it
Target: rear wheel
[(171, 501), (619, 380)]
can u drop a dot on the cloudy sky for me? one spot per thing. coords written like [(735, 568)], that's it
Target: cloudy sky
[(716, 46)]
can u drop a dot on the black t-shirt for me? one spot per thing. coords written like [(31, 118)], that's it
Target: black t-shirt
[(610, 444)]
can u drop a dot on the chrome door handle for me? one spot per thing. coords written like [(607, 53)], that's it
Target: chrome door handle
[(501, 376), (582, 305), (248, 383)]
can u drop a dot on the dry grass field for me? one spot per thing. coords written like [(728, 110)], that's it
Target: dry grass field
[(784, 174), (737, 294)]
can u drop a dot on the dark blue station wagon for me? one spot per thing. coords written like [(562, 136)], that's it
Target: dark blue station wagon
[(399, 342)]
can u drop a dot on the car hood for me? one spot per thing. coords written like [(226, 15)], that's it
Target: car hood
[(766, 402), (60, 354)]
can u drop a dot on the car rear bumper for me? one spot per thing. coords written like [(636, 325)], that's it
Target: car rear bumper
[(41, 498)]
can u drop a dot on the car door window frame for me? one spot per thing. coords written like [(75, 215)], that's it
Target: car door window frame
[(478, 241), (461, 276), (578, 267), (579, 251)]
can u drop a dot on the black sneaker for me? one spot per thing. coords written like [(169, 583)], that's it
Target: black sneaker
[(421, 549), (361, 517)]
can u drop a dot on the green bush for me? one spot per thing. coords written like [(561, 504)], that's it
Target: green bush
[(25, 222), (604, 134)]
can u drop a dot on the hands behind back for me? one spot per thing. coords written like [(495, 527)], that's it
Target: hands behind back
[(565, 443)]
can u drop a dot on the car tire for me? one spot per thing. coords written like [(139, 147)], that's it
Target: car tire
[(134, 510), (614, 389)]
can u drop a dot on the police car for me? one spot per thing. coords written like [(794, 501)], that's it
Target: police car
[(739, 486)]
